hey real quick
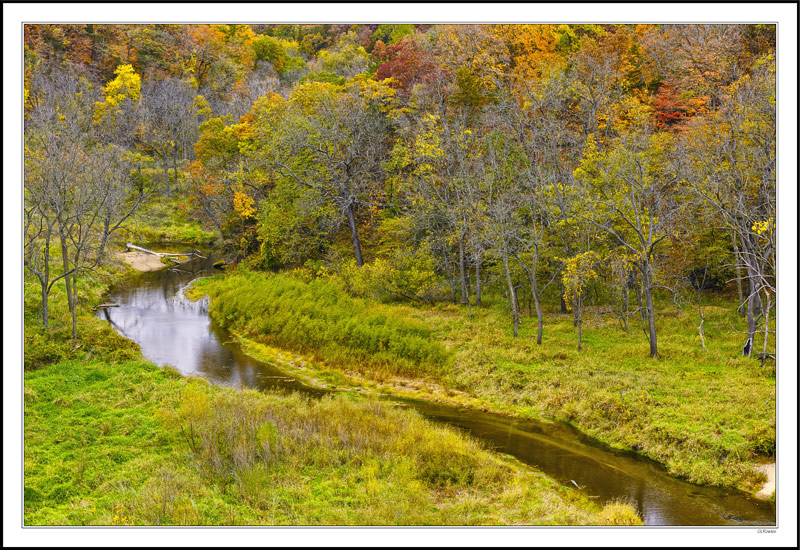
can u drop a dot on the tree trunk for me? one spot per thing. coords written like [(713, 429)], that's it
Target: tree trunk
[(766, 330), (741, 308), (67, 282), (351, 219), (462, 267), (166, 175), (753, 303), (639, 291), (651, 317), (45, 279), (451, 280), (561, 297), (753, 306), (175, 164), (478, 281), (536, 303), (45, 312), (700, 328), (74, 305), (625, 302), (512, 295)]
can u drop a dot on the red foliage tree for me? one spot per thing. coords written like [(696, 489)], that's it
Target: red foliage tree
[(672, 109), (405, 62)]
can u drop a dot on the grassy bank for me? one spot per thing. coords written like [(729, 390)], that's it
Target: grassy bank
[(128, 443), (709, 416), (318, 316)]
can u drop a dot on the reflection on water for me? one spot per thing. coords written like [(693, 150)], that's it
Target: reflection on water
[(171, 330)]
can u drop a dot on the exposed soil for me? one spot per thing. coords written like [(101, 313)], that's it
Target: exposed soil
[(142, 261), (769, 487)]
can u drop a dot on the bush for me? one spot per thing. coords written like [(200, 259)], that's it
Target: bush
[(402, 272), (41, 350), (763, 440), (324, 76), (619, 513)]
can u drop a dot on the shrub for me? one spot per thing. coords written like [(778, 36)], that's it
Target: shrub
[(763, 440), (619, 513), (403, 271)]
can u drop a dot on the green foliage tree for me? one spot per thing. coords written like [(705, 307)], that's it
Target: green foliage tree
[(630, 192)]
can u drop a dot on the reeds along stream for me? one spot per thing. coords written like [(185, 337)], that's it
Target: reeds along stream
[(172, 330)]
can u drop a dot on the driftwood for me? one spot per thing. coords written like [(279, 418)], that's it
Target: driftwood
[(99, 306), (194, 252)]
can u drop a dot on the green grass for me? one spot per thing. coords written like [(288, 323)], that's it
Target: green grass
[(95, 337), (317, 315), (709, 416), (130, 444), (162, 219)]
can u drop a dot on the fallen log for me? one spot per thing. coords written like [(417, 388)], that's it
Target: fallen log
[(100, 306), (195, 252)]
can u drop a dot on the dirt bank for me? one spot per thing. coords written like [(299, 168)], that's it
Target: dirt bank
[(769, 487), (141, 261)]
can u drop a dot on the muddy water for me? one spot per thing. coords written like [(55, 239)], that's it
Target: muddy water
[(171, 330)]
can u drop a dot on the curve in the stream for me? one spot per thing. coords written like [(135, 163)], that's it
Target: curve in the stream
[(172, 330)]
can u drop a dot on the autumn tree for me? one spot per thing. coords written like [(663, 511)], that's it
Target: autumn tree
[(329, 143), (699, 59), (579, 272), (77, 187), (221, 182), (405, 62), (630, 189)]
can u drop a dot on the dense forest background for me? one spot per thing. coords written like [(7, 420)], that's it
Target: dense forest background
[(609, 165)]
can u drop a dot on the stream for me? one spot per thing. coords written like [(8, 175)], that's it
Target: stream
[(172, 330)]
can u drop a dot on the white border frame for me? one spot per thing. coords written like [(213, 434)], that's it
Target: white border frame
[(785, 14)]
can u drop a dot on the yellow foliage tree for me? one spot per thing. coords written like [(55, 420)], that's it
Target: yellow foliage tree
[(126, 85), (579, 272)]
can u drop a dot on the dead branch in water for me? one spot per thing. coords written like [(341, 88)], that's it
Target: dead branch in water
[(194, 252)]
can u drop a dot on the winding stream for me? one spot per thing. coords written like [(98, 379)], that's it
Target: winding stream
[(172, 330)]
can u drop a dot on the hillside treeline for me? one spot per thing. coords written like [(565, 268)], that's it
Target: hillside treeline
[(545, 165)]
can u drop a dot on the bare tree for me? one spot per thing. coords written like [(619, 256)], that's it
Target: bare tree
[(168, 122), (730, 163), (77, 188)]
